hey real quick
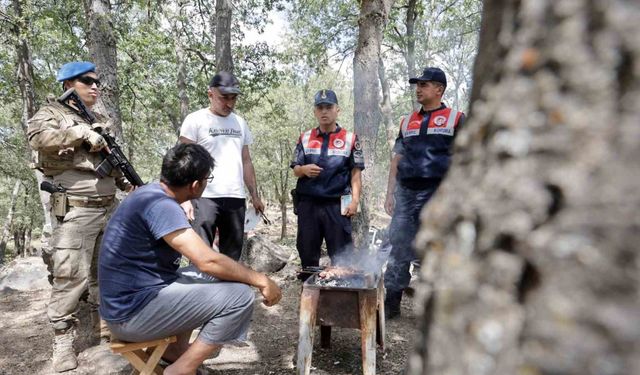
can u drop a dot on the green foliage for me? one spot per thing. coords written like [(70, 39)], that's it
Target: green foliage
[(323, 30), (445, 34), (278, 82)]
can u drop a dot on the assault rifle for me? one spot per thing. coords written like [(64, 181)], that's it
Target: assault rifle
[(113, 156)]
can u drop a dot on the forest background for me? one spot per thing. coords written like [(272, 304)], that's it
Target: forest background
[(155, 60), (530, 246)]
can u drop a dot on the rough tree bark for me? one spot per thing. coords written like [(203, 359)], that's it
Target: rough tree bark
[(25, 65), (19, 235), (366, 92), (410, 48), (385, 106), (176, 17), (27, 93), (28, 249), (282, 186), (224, 60), (6, 228), (181, 80), (102, 46), (530, 246)]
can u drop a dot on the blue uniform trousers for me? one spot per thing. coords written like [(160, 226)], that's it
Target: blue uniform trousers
[(317, 220), (402, 231)]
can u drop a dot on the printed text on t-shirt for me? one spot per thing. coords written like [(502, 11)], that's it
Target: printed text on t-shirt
[(227, 132)]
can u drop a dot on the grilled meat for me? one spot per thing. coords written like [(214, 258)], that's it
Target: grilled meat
[(338, 272)]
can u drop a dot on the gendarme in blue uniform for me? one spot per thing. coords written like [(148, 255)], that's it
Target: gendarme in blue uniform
[(425, 141), (337, 153), (319, 215)]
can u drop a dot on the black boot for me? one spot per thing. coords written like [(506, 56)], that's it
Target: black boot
[(392, 304)]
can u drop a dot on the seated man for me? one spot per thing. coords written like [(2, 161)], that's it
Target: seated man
[(143, 294)]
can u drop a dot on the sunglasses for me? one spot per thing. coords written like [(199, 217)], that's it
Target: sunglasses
[(89, 81)]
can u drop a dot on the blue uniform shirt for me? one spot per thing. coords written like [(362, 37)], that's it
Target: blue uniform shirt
[(337, 153), (425, 142), (135, 262)]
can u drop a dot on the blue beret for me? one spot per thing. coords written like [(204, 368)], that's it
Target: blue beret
[(74, 69)]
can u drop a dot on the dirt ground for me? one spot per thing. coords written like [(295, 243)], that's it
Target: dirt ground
[(25, 343)]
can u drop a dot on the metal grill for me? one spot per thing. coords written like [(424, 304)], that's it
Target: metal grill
[(355, 300)]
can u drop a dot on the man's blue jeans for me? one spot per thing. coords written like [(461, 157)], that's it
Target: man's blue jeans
[(402, 231)]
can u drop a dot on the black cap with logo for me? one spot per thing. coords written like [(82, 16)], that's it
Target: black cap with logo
[(226, 82), (325, 97), (431, 74)]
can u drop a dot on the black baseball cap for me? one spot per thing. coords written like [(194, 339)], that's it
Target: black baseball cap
[(431, 74), (226, 82), (325, 97)]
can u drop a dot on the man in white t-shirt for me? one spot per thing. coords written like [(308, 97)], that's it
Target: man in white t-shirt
[(227, 138)]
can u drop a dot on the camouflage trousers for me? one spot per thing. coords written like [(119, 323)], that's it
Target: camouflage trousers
[(75, 242)]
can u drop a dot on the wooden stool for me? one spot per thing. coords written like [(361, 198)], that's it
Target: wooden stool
[(143, 356)]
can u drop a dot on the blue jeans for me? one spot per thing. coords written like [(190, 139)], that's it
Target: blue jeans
[(402, 231)]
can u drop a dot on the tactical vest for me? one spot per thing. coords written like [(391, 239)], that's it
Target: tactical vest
[(427, 140), (332, 152), (52, 162), (340, 143)]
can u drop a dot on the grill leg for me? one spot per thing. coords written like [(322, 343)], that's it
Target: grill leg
[(368, 306), (381, 328), (308, 305), (325, 337)]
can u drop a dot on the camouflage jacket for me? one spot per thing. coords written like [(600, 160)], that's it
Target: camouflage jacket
[(57, 134)]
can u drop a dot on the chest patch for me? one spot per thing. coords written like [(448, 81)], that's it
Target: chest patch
[(338, 143), (413, 128), (233, 133), (443, 124), (440, 121)]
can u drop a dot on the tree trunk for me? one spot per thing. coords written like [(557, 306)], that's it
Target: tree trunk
[(224, 60), (410, 52), (27, 93), (283, 213), (7, 223), (25, 65), (491, 55), (385, 106), (530, 245), (181, 81), (18, 241), (102, 46), (282, 192), (366, 92), (175, 15), (28, 250)]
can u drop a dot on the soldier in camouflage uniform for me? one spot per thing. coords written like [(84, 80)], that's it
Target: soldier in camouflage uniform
[(68, 153)]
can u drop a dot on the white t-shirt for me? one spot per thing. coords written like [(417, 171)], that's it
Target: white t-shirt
[(224, 138)]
